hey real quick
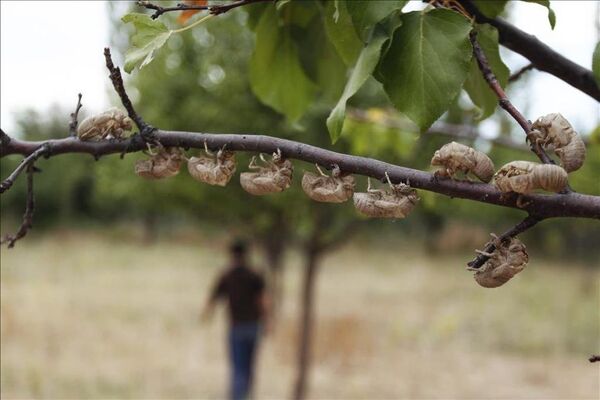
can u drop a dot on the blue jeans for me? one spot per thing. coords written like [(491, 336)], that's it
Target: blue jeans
[(243, 340)]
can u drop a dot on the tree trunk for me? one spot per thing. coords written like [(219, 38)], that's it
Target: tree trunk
[(306, 323)]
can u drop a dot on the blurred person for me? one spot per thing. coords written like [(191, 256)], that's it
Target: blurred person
[(244, 291)]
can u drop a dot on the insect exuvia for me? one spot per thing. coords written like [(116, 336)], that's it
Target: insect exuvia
[(526, 176), (508, 259), (111, 123), (397, 202), (163, 163), (454, 157), (213, 169), (336, 188), (553, 131), (275, 176)]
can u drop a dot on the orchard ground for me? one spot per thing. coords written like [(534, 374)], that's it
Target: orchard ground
[(98, 315)]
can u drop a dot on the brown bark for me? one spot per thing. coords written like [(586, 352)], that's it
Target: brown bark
[(546, 206)]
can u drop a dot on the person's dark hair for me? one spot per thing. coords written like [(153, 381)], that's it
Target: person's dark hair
[(238, 247)]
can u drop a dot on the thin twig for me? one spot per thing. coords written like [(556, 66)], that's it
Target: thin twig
[(594, 358), (117, 81), (29, 209), (73, 124), (159, 10), (220, 9), (215, 9), (521, 227), (503, 100), (545, 205), (540, 54), (517, 75), (29, 160)]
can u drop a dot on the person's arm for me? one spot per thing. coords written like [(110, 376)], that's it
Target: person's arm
[(209, 306)]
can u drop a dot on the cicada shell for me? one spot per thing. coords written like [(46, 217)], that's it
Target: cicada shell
[(508, 259), (162, 164), (526, 176), (553, 131), (336, 188), (213, 169), (111, 123), (454, 157), (275, 176), (397, 202)]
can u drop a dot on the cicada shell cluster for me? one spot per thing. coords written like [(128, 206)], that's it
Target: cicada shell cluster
[(109, 124), (397, 202), (336, 188), (275, 176), (455, 157), (508, 259), (214, 169), (526, 176), (553, 131), (163, 163)]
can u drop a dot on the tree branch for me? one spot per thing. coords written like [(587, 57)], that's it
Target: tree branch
[(544, 206), (4, 138), (521, 227), (29, 209), (73, 123), (215, 9), (119, 86), (27, 161), (504, 102), (541, 56)]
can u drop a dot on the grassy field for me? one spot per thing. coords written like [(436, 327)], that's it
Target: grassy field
[(97, 316)]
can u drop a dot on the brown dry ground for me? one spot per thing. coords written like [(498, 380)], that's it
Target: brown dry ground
[(95, 316)]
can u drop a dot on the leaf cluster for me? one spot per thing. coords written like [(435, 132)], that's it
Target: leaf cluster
[(314, 52)]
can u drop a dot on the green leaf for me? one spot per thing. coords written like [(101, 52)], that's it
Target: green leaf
[(426, 64), (340, 30), (150, 36), (551, 14), (276, 76), (596, 63), (475, 85), (366, 13), (490, 8), (366, 63), (255, 11), (320, 60)]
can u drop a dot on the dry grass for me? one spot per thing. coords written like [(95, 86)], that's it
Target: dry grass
[(90, 316)]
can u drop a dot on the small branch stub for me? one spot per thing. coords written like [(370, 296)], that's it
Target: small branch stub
[(514, 77), (73, 124)]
